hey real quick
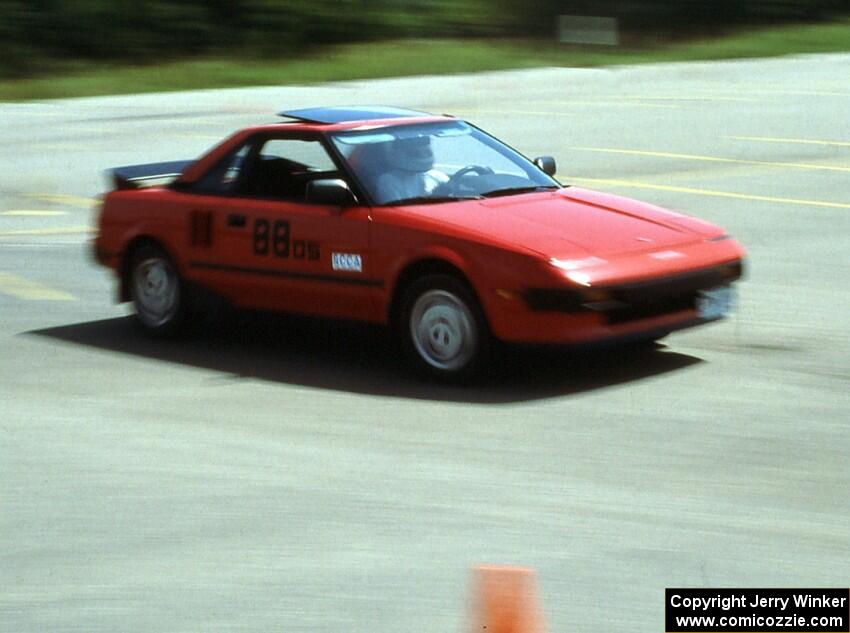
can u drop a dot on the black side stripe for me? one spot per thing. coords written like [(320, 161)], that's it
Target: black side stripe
[(271, 272)]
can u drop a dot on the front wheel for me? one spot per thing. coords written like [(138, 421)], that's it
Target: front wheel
[(444, 332), (157, 291)]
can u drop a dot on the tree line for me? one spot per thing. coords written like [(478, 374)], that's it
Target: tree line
[(36, 33)]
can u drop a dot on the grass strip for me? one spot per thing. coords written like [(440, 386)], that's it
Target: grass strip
[(416, 57)]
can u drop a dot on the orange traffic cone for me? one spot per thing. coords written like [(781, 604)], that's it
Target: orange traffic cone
[(505, 601)]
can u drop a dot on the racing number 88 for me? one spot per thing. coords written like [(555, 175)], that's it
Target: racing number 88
[(280, 238), (261, 237), (279, 235)]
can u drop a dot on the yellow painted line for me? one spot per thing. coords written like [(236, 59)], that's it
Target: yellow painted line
[(806, 93), (205, 137), (688, 172), (713, 159), (59, 198), (25, 212), (65, 230), (84, 134), (692, 98), (64, 147), (604, 104), (29, 111), (704, 192), (31, 290), (712, 175), (770, 139)]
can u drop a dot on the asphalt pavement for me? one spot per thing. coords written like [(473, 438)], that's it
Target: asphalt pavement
[(281, 474)]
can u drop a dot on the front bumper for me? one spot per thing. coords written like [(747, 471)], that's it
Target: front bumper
[(563, 329), (641, 309)]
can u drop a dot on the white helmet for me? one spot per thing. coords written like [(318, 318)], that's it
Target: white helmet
[(410, 154)]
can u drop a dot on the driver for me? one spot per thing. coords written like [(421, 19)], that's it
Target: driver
[(410, 170)]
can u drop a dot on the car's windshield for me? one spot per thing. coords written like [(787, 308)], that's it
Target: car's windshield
[(435, 162)]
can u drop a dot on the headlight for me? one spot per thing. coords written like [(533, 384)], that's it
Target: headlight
[(583, 279), (575, 264)]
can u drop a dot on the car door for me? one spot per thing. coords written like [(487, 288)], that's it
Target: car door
[(274, 250)]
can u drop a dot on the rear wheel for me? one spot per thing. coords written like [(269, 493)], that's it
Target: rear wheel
[(157, 291), (649, 342), (443, 329)]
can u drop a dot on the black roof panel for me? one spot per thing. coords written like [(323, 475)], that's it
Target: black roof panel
[(343, 114)]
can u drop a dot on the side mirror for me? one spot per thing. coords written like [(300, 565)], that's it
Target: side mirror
[(329, 191), (546, 165)]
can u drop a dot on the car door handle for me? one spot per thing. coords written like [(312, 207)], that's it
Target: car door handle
[(236, 219)]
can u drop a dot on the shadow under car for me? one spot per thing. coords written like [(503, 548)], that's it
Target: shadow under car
[(360, 358)]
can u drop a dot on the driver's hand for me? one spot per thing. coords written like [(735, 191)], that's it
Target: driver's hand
[(436, 183), (441, 177)]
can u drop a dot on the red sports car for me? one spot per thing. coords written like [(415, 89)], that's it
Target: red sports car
[(423, 223)]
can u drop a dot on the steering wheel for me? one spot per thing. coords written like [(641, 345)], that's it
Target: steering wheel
[(453, 184)]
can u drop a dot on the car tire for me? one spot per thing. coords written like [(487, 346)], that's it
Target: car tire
[(157, 290), (443, 330), (646, 343)]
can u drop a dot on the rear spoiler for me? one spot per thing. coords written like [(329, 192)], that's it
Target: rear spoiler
[(131, 176)]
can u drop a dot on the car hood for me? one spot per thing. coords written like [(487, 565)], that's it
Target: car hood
[(570, 222)]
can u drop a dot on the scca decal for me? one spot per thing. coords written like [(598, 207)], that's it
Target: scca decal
[(347, 261), (277, 236)]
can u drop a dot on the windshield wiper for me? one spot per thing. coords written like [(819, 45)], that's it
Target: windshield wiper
[(509, 191), (429, 200)]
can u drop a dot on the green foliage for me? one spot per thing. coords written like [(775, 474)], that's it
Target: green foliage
[(40, 35)]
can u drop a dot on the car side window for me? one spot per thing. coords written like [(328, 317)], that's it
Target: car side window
[(283, 167), (224, 177), (310, 154)]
